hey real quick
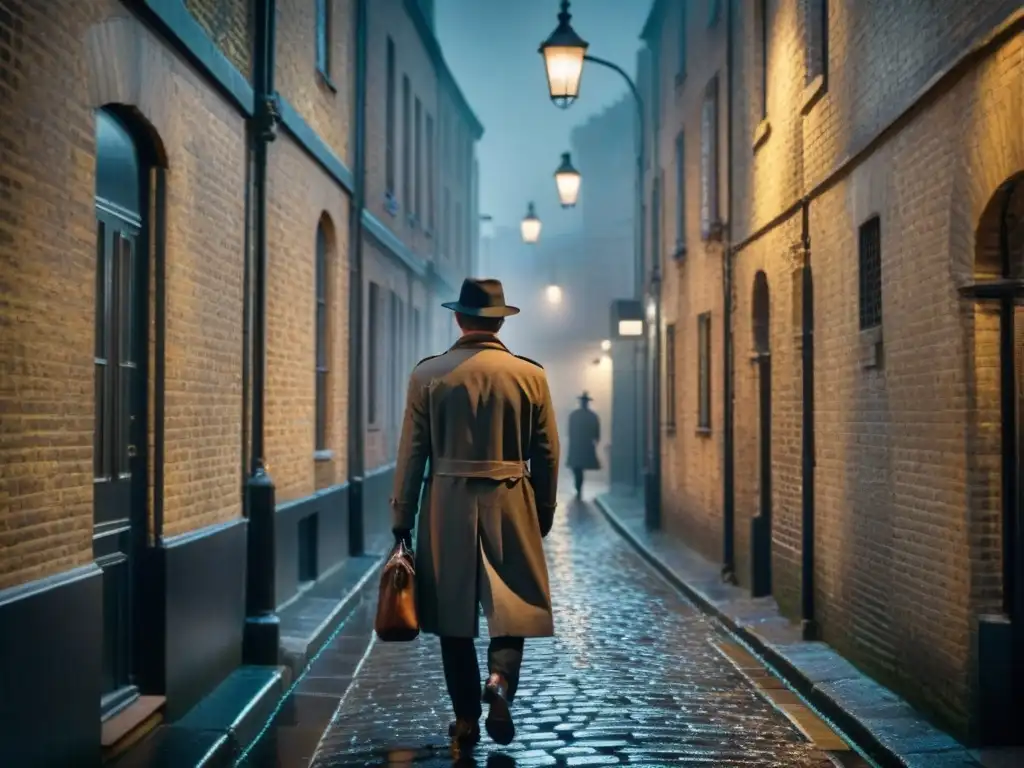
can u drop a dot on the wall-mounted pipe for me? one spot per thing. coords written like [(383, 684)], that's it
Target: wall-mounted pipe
[(808, 622), (728, 465), (357, 354)]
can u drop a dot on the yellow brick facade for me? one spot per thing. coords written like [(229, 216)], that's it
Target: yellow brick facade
[(907, 476)]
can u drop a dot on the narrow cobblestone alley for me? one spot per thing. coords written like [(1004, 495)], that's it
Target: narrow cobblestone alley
[(634, 676)]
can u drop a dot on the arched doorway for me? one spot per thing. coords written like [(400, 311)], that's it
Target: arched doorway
[(761, 524), (120, 433), (999, 282)]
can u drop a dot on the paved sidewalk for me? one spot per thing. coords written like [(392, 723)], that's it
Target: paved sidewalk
[(636, 675), (888, 728)]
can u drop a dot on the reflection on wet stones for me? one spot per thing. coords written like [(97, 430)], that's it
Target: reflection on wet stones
[(631, 678)]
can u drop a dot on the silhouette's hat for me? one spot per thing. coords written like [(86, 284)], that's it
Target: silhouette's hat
[(482, 298), (585, 398)]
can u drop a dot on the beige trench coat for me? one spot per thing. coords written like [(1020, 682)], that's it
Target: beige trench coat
[(479, 413)]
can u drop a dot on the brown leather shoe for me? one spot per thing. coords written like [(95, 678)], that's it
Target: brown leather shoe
[(464, 732), (499, 723)]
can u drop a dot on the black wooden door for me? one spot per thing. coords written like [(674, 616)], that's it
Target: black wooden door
[(119, 430)]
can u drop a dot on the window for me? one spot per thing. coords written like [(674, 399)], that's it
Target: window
[(817, 39), (670, 377), (417, 331), (395, 366), (431, 171), (458, 232), (870, 274), (407, 144), (714, 11), (389, 130), (680, 194), (323, 38), (446, 225), (418, 160), (373, 356), (681, 70), (321, 340), (704, 372), (656, 220), (763, 29), (709, 160)]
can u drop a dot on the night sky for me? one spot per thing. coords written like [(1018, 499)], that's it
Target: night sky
[(491, 46)]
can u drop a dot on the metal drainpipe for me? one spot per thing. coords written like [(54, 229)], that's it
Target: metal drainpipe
[(261, 639), (808, 623), (357, 356), (728, 469)]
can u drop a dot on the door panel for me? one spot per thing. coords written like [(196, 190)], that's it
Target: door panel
[(118, 411)]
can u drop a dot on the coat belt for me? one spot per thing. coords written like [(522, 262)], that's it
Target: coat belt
[(490, 470)]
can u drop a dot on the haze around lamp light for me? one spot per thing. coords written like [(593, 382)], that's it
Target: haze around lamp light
[(530, 226), (553, 293), (606, 345), (567, 179), (563, 54)]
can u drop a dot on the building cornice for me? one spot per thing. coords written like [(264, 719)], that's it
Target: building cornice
[(652, 27)]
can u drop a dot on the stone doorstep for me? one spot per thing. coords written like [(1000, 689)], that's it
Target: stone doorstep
[(308, 622), (888, 729), (214, 731)]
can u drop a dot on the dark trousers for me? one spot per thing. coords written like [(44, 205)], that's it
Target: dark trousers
[(462, 673), (577, 476)]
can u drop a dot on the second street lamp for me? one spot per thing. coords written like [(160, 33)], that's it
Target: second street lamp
[(563, 55), (530, 226), (567, 179)]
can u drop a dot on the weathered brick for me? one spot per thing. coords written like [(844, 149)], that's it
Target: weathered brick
[(907, 489), (229, 24), (65, 60)]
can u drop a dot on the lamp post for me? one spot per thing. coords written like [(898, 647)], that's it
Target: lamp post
[(530, 226), (567, 179), (564, 53)]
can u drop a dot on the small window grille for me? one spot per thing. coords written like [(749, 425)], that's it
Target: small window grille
[(870, 274)]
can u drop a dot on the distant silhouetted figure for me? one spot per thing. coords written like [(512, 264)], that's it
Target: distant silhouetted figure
[(584, 434)]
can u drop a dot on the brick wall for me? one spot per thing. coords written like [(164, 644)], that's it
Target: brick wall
[(300, 196), (66, 57), (906, 500), (229, 24), (324, 103), (387, 18), (692, 280), (907, 479)]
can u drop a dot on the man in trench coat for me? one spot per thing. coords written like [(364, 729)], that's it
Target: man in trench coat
[(474, 417), (584, 434)]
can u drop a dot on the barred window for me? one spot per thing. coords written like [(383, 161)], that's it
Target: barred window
[(670, 377), (870, 263), (704, 371)]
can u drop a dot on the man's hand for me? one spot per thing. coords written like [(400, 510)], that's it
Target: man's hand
[(403, 535)]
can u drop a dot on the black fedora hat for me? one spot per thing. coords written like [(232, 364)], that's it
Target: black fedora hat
[(482, 298), (585, 398)]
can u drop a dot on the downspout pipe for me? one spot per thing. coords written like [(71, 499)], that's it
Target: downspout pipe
[(808, 623), (261, 638), (357, 354), (728, 464)]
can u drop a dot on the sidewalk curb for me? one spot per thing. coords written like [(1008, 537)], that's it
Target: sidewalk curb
[(851, 726)]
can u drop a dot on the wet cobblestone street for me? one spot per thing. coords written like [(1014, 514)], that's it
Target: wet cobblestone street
[(634, 676)]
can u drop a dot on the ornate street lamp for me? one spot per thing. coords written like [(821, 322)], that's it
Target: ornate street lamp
[(567, 179), (563, 54), (530, 226)]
